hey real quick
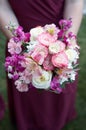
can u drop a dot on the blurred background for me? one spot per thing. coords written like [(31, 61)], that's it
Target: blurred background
[(84, 10), (80, 122)]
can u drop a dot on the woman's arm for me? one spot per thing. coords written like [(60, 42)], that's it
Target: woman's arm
[(6, 16), (74, 9)]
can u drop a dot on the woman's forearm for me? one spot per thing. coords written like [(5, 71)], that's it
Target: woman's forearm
[(74, 9), (6, 16)]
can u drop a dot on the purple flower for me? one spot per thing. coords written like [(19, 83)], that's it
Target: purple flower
[(55, 85), (19, 35), (71, 35), (15, 76), (27, 37), (61, 34), (14, 61), (66, 40), (65, 24)]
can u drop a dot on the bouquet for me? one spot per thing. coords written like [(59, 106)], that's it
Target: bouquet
[(44, 58)]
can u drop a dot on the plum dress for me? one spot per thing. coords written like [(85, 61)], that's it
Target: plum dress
[(2, 108), (40, 110)]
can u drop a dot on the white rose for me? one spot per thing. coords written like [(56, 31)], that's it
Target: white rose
[(72, 55), (56, 47), (42, 81), (35, 32)]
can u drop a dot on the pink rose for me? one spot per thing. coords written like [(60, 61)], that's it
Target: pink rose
[(60, 60), (47, 64), (39, 54), (52, 30), (30, 65), (46, 39)]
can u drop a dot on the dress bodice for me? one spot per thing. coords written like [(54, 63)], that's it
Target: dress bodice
[(32, 13)]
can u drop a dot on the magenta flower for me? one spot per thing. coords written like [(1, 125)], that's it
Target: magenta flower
[(55, 85), (27, 37), (19, 35), (15, 62), (65, 24), (15, 75), (71, 35), (61, 34)]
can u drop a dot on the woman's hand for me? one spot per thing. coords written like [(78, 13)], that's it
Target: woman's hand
[(6, 16)]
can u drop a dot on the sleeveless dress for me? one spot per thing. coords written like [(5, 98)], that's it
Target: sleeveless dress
[(2, 108), (40, 110)]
